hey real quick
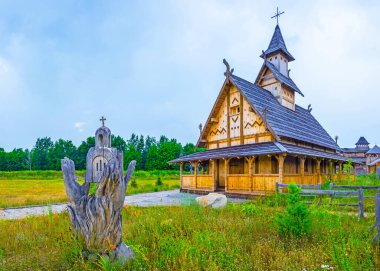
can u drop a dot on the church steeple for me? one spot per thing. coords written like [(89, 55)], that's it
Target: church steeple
[(277, 45)]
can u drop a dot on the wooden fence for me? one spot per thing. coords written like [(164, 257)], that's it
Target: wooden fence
[(315, 190), (377, 217)]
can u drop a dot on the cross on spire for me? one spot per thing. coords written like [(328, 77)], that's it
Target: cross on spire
[(103, 119), (278, 14)]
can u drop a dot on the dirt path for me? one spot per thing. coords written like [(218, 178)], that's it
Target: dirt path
[(163, 198)]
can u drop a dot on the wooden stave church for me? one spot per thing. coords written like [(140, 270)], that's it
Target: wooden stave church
[(256, 135)]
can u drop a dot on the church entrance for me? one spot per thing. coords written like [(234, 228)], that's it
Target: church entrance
[(221, 174)]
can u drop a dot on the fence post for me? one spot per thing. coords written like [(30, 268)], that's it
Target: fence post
[(361, 203), (331, 187), (377, 217), (276, 187)]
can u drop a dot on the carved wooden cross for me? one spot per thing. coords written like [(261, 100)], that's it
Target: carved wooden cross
[(103, 119), (278, 14)]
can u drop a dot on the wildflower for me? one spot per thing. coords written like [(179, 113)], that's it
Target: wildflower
[(112, 246), (138, 212), (55, 216), (126, 207)]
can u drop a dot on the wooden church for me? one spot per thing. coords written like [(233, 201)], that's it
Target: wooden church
[(256, 134)]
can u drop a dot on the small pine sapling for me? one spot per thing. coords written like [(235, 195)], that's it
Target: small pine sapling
[(134, 183), (296, 221)]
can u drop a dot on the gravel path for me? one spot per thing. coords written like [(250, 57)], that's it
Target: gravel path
[(163, 198)]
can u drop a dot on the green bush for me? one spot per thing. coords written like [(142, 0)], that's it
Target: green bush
[(134, 183), (296, 221), (159, 181)]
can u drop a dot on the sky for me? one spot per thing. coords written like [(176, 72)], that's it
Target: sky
[(155, 67)]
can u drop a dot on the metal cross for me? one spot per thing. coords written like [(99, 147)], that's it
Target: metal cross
[(278, 14), (103, 119)]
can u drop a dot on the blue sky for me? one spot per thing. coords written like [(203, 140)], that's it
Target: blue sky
[(155, 67)]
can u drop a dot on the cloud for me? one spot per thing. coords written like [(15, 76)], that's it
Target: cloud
[(79, 126)]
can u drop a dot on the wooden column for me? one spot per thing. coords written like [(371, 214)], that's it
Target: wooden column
[(212, 173), (340, 167), (228, 120), (180, 173), (250, 161), (241, 120), (302, 168), (227, 170), (331, 173), (281, 160), (318, 168), (195, 174)]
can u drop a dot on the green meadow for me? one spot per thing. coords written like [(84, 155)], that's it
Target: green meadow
[(239, 237), (22, 188)]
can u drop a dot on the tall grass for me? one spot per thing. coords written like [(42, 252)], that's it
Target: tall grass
[(193, 238)]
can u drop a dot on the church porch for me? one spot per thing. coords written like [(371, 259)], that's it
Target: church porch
[(255, 168), (256, 174)]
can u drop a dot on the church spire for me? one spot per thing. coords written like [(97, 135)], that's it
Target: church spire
[(277, 45)]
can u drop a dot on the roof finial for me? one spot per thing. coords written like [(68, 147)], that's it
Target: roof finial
[(228, 70), (277, 14)]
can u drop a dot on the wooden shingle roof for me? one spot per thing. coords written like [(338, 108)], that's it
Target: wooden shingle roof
[(257, 149), (298, 124), (362, 141), (374, 150)]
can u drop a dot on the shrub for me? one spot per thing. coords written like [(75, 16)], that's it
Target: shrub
[(134, 183), (295, 222), (159, 181)]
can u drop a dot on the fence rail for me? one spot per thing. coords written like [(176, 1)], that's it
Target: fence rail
[(316, 190)]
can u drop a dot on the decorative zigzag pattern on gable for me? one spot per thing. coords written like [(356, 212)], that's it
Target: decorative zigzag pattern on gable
[(217, 131), (235, 100), (253, 124)]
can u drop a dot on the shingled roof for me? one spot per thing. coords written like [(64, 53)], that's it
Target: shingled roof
[(277, 44), (280, 77), (256, 149), (298, 124), (362, 141), (374, 150)]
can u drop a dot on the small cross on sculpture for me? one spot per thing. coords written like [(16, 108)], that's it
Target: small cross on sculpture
[(278, 14), (102, 119)]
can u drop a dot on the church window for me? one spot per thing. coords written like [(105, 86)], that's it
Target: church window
[(275, 57), (101, 140), (100, 165), (270, 59), (97, 166), (235, 110)]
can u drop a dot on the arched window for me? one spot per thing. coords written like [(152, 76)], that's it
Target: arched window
[(101, 140)]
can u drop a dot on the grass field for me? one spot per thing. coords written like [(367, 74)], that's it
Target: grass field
[(46, 187), (192, 238)]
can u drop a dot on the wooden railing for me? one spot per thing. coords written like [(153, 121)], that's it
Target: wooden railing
[(187, 181), (249, 183), (203, 182), (296, 178), (238, 182)]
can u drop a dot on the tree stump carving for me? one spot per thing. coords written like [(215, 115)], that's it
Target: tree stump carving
[(96, 219)]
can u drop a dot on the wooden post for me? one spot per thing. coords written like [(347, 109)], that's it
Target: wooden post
[(241, 120), (361, 203), (227, 169), (340, 168), (212, 173), (281, 160), (228, 120), (331, 173), (302, 168), (331, 187), (195, 173), (377, 216), (318, 167), (180, 173), (250, 161)]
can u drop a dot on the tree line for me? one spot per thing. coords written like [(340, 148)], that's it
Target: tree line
[(148, 152)]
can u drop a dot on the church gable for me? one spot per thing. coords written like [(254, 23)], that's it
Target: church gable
[(233, 122)]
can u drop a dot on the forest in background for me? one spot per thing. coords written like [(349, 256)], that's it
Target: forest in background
[(149, 153)]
